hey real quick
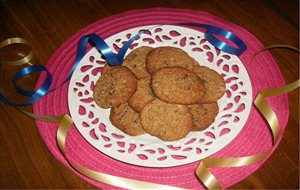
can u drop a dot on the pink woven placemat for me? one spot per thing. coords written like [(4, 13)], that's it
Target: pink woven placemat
[(254, 138)]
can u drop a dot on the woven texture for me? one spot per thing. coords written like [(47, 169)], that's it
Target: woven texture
[(254, 138)]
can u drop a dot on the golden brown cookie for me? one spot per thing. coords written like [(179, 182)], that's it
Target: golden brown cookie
[(177, 85), (115, 87), (214, 83), (168, 57), (126, 119), (135, 61), (142, 96), (203, 114), (166, 121)]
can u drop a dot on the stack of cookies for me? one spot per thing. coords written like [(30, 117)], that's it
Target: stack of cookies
[(160, 91)]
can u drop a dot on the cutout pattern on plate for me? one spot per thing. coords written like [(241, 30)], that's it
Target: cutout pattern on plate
[(145, 150)]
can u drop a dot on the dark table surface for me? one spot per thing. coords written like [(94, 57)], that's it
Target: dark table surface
[(47, 24)]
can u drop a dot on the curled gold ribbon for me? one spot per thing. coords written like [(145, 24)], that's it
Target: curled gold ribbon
[(266, 110), (17, 40), (202, 172), (273, 47)]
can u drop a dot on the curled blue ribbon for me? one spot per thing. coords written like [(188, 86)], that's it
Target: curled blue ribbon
[(40, 92), (113, 59), (210, 33)]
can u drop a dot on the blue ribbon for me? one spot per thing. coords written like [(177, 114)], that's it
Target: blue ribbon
[(40, 92), (210, 33), (113, 59)]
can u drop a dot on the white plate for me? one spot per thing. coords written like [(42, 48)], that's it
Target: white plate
[(94, 125)]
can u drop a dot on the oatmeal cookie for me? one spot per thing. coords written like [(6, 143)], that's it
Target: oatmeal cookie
[(213, 82), (177, 85), (126, 119), (168, 57), (166, 121), (115, 87), (204, 115), (142, 96)]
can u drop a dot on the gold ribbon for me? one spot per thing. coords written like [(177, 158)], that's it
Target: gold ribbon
[(202, 172), (209, 180), (273, 47), (16, 40)]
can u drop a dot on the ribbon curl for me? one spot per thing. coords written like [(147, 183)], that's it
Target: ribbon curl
[(210, 33), (16, 40)]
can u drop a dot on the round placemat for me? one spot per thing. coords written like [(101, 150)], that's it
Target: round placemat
[(254, 138)]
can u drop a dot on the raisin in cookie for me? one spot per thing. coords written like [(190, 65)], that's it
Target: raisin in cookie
[(126, 119), (177, 85), (115, 87), (166, 121)]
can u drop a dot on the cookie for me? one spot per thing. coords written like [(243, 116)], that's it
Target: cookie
[(203, 114), (126, 119), (135, 61), (115, 87), (142, 96), (213, 82), (177, 85), (166, 121), (168, 56)]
